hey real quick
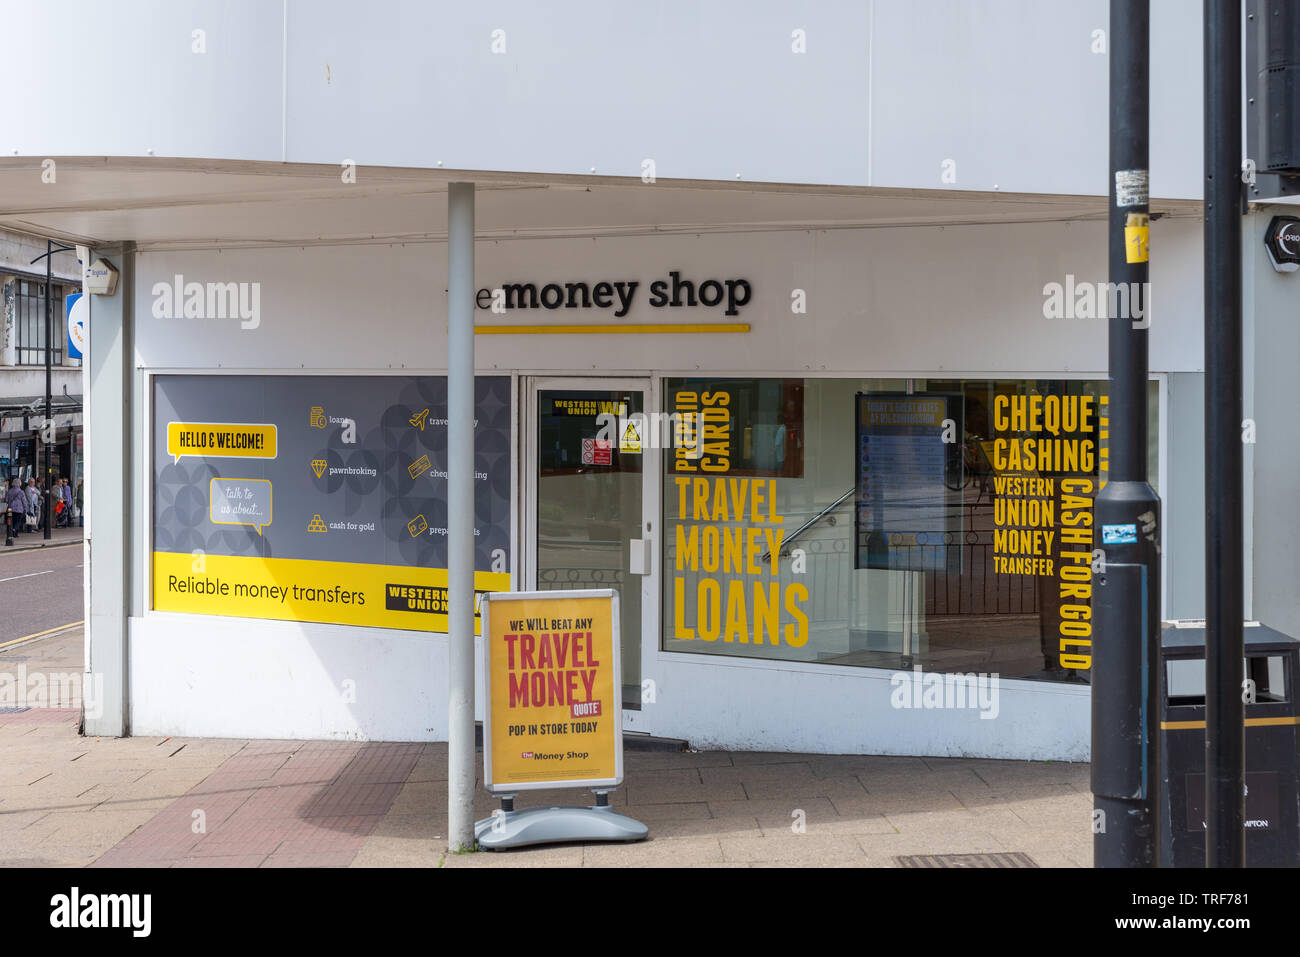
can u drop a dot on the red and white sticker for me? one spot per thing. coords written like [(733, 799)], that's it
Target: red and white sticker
[(596, 452)]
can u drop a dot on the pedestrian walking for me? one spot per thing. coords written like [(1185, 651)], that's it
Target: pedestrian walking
[(33, 505), (62, 507), (16, 501)]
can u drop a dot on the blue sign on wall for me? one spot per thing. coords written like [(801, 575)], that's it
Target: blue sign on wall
[(78, 308)]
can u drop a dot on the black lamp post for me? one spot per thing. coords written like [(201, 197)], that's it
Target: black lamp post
[(51, 247)]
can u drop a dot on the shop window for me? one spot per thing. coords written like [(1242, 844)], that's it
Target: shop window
[(941, 524)]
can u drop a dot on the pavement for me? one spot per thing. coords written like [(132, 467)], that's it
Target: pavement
[(69, 800), (58, 536)]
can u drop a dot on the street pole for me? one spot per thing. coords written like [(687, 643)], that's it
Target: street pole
[(1125, 667), (460, 516), (47, 432), (1225, 745), (51, 247)]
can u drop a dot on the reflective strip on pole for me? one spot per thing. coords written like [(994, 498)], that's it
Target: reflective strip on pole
[(460, 516)]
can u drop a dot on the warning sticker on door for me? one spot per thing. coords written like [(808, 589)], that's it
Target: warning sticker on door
[(630, 440)]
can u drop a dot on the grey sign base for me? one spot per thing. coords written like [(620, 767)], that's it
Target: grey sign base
[(553, 825)]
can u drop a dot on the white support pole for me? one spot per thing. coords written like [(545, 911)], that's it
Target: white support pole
[(460, 516), (108, 499)]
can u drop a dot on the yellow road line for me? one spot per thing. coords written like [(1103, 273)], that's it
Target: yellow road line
[(42, 634), (611, 329), (1250, 723)]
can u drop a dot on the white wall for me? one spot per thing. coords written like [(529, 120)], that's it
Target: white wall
[(222, 677), (923, 299), (1009, 90)]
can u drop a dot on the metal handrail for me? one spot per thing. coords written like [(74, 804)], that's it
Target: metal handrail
[(810, 523)]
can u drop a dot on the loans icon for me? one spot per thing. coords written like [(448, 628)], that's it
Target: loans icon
[(419, 466), (318, 466), (317, 524), (419, 419), (318, 417), (417, 526)]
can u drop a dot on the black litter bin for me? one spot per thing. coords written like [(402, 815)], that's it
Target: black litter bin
[(1272, 769)]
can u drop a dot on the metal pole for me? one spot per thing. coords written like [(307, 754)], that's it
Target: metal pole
[(1225, 746), (460, 516), (47, 433), (1126, 616)]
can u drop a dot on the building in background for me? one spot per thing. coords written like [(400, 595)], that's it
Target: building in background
[(22, 363)]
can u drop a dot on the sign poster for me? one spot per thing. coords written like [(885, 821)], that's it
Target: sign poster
[(552, 706), (1047, 459), (728, 527), (735, 427), (320, 498), (905, 446), (78, 309)]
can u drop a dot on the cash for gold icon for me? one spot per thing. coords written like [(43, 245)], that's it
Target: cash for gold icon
[(318, 466), (417, 526), (317, 524), (419, 466)]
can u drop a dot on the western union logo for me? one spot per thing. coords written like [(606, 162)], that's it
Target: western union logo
[(422, 598), (415, 598), (318, 466), (317, 524)]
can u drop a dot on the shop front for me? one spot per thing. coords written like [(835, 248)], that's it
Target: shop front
[(864, 527)]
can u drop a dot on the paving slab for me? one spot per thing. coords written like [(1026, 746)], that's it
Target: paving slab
[(73, 801)]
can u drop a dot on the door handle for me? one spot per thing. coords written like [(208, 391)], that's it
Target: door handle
[(638, 562)]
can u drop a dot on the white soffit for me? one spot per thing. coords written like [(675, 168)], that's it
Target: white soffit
[(177, 203)]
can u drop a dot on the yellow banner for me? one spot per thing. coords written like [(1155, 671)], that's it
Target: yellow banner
[(295, 589), (554, 705), (222, 440)]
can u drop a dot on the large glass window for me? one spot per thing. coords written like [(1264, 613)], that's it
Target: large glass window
[(939, 523)]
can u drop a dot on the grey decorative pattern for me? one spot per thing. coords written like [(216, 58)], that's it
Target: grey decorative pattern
[(362, 482)]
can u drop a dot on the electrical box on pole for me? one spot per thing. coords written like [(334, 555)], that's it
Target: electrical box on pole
[(1272, 99)]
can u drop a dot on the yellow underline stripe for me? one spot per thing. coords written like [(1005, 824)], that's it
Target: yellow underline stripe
[(701, 327), (39, 634), (1250, 723)]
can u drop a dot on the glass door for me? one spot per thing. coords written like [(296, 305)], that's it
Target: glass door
[(586, 512)]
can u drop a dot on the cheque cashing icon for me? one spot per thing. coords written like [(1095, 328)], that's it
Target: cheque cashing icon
[(318, 466), (419, 466)]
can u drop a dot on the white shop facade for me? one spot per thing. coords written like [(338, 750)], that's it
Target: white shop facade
[(835, 471)]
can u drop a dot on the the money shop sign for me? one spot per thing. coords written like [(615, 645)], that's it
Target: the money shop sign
[(553, 698)]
